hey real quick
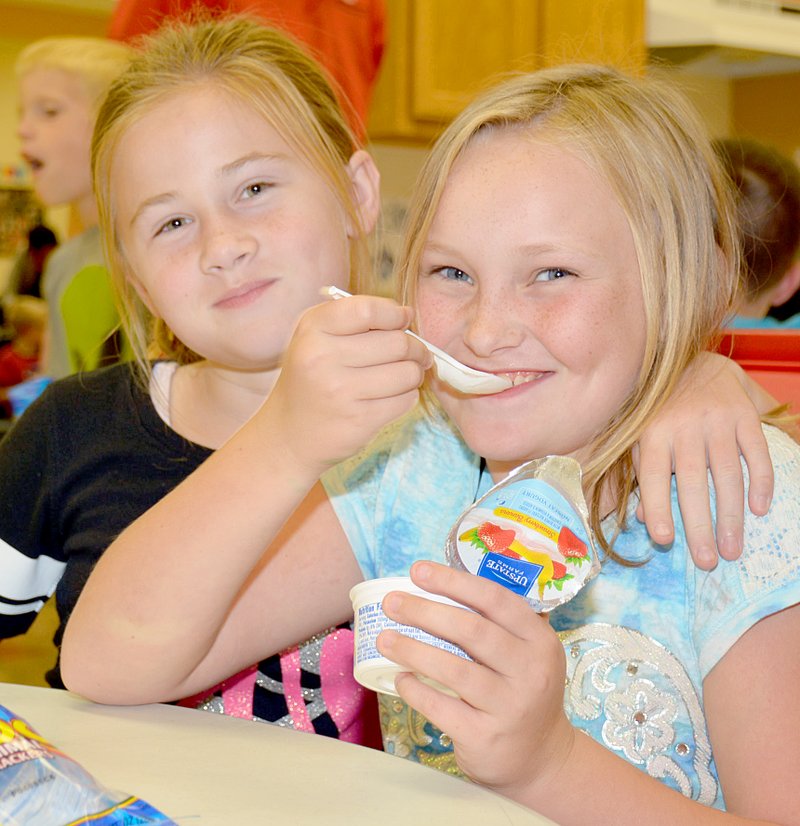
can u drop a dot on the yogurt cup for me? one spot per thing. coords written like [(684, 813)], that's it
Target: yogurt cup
[(370, 667)]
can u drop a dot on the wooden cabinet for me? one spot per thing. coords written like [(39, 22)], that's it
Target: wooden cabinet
[(441, 52)]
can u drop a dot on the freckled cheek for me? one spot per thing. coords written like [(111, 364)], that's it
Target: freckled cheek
[(437, 317)]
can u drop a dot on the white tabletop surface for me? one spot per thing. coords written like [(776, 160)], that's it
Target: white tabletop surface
[(209, 770)]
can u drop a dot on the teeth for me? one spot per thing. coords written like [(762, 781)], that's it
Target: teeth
[(523, 378)]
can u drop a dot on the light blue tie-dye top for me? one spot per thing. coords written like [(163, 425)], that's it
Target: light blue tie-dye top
[(639, 640)]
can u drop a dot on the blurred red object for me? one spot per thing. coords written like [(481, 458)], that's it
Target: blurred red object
[(346, 36), (771, 357)]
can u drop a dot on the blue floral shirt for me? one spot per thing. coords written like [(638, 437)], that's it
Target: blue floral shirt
[(639, 640)]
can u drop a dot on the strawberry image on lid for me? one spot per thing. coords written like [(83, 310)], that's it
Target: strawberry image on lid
[(570, 547), (529, 534)]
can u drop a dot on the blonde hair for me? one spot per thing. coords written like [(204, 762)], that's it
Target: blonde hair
[(256, 65), (645, 139), (26, 312), (94, 60)]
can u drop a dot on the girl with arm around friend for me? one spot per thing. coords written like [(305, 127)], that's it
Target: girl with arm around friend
[(219, 135)]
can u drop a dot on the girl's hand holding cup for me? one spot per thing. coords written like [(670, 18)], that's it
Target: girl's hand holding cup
[(507, 723)]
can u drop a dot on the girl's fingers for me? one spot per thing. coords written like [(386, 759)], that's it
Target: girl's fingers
[(358, 314), (469, 680), (753, 446), (380, 347), (490, 600), (653, 464), (726, 470), (499, 633), (456, 718), (691, 472)]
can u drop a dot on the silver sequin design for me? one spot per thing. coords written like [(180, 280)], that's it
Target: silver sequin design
[(309, 653), (632, 694)]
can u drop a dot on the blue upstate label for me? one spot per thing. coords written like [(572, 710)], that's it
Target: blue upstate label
[(517, 575)]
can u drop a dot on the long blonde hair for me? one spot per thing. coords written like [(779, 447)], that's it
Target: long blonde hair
[(650, 145), (256, 65)]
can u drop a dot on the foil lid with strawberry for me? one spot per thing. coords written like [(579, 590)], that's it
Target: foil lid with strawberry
[(530, 532)]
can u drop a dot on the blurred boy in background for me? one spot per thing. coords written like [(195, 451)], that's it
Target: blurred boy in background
[(768, 208), (62, 81)]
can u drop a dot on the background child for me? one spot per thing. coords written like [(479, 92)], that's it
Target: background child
[(563, 233), (223, 159), (61, 83), (26, 275), (19, 359), (768, 208)]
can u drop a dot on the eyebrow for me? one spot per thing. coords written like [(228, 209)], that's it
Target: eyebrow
[(227, 169), (155, 200), (233, 166)]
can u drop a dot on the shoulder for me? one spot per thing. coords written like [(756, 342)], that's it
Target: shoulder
[(92, 386), (779, 529), (398, 498), (81, 250), (766, 578), (87, 404)]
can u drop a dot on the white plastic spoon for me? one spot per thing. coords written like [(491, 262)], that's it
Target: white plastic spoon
[(457, 375)]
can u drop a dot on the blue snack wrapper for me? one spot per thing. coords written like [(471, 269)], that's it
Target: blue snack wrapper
[(42, 786), (24, 394)]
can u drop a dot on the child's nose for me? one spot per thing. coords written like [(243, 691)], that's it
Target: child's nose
[(493, 324), (23, 128), (226, 247)]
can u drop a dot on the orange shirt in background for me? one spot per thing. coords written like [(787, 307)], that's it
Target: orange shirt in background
[(346, 36)]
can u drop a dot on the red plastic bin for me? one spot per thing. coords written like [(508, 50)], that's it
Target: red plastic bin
[(771, 357)]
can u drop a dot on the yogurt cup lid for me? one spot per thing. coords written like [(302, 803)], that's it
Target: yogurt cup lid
[(530, 533)]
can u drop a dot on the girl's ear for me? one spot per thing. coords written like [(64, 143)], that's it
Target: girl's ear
[(787, 286), (366, 182), (141, 291)]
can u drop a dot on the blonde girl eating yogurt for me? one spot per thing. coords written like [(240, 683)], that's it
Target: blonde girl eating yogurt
[(572, 231)]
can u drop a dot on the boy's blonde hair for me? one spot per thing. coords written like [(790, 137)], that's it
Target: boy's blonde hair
[(94, 60), (645, 139), (256, 65)]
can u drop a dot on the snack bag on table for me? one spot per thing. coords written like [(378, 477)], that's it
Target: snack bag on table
[(42, 786)]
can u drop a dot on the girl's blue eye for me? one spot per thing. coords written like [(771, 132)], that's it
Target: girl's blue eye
[(551, 274), (453, 274)]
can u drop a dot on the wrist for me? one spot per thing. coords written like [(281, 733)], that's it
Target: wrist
[(279, 439), (544, 781)]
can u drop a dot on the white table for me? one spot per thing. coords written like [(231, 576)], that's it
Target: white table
[(208, 770)]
